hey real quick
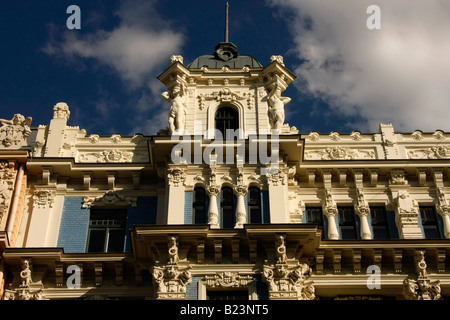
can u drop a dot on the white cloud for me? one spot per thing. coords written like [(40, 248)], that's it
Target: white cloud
[(137, 48), (399, 74)]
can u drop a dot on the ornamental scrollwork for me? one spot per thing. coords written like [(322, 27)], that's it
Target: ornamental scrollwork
[(176, 177), (227, 280)]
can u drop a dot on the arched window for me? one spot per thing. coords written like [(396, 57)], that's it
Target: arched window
[(227, 118), (227, 207), (254, 205), (199, 205)]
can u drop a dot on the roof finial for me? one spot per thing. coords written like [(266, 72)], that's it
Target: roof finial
[(226, 22)]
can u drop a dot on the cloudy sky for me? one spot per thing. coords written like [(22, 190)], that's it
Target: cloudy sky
[(349, 77)]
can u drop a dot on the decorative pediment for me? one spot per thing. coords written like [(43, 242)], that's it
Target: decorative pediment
[(109, 198)]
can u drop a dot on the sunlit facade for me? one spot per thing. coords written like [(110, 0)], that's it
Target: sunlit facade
[(227, 202)]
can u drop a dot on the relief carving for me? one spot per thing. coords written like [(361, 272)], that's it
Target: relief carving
[(227, 280), (421, 287), (14, 132), (107, 156), (27, 290), (339, 153), (44, 198), (109, 198)]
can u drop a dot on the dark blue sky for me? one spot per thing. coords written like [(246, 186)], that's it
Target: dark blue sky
[(42, 62)]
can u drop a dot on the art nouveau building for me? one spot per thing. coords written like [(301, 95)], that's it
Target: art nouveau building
[(260, 211)]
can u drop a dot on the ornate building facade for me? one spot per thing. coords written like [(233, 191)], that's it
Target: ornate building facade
[(228, 202)]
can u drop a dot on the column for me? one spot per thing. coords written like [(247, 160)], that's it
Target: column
[(213, 211), (241, 213)]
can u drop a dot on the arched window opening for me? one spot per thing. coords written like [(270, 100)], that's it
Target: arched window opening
[(227, 207), (254, 205), (227, 118), (199, 205)]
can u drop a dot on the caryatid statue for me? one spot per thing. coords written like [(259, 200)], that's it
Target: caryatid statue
[(276, 107), (177, 112)]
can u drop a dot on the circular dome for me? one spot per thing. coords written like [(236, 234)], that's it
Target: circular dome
[(226, 54)]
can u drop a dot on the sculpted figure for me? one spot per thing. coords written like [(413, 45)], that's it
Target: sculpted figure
[(15, 130), (177, 112), (276, 107)]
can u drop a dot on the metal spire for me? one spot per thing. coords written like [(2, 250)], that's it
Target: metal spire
[(226, 22)]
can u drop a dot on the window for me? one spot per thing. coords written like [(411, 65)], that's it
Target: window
[(314, 215), (347, 222), (199, 205), (379, 222), (227, 207), (106, 230), (429, 222), (227, 295), (227, 119), (254, 205)]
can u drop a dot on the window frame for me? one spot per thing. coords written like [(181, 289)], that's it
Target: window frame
[(109, 226), (429, 225), (346, 225), (197, 203), (379, 225), (233, 122), (254, 205)]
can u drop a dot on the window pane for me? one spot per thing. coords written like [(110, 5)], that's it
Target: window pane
[(226, 119), (200, 210), (255, 214), (379, 222), (115, 240), (314, 215), (380, 232), (97, 240), (227, 208), (431, 232), (347, 222)]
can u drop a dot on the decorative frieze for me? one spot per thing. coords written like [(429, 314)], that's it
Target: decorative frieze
[(438, 152), (107, 156), (226, 95), (109, 198), (339, 153), (227, 280)]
